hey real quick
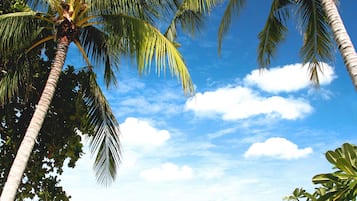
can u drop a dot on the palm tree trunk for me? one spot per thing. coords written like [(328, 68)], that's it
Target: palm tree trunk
[(25, 149), (342, 38)]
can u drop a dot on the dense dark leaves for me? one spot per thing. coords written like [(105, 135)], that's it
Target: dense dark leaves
[(58, 143)]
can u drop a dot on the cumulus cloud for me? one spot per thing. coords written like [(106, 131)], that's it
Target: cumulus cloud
[(138, 132), (277, 148), (234, 103), (167, 172), (287, 78)]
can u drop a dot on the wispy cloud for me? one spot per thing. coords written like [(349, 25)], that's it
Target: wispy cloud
[(167, 172), (277, 147)]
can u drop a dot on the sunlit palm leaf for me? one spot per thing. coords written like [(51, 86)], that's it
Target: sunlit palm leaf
[(273, 32), (233, 7), (147, 44), (105, 144), (16, 27), (137, 8), (318, 43)]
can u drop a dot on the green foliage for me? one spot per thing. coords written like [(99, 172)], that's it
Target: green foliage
[(103, 31), (233, 7), (189, 14), (22, 77), (340, 185), (11, 6), (317, 44), (58, 143), (274, 31)]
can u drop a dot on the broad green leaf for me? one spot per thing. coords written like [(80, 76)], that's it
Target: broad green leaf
[(332, 157), (324, 178), (350, 154), (345, 166)]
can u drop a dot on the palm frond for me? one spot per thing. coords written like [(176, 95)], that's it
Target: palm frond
[(202, 6), (189, 15), (190, 22), (318, 43), (105, 144), (145, 10), (165, 7), (233, 7), (43, 40), (274, 31), (314, 68), (147, 44), (84, 55), (13, 80), (18, 30), (95, 43)]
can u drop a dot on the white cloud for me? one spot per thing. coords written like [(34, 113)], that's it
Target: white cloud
[(167, 172), (288, 78), (234, 103), (277, 148), (138, 132)]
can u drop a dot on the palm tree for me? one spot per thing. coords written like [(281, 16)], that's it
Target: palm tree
[(103, 31), (317, 17), (342, 38), (318, 44)]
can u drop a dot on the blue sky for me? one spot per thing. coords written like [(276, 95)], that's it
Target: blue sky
[(244, 136)]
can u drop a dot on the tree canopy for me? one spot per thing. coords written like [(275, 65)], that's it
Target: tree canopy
[(58, 144), (340, 185)]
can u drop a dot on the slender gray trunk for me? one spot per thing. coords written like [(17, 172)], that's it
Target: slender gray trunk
[(342, 38), (19, 165)]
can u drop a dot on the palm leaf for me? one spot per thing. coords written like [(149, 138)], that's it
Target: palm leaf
[(14, 78), (274, 32), (317, 45), (145, 10), (95, 43), (105, 144), (18, 30), (233, 7), (189, 15), (147, 44)]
